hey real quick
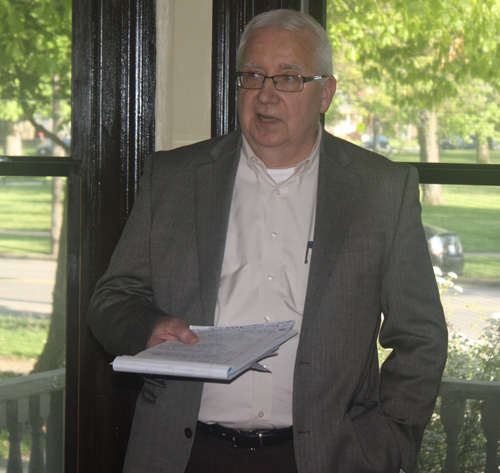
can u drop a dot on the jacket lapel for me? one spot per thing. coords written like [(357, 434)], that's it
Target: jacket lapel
[(337, 193), (214, 189)]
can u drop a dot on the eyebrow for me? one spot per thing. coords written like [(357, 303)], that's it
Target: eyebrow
[(295, 67)]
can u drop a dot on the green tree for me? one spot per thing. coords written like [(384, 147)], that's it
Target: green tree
[(35, 53), (35, 82), (425, 50), (357, 97), (476, 111), (35, 77)]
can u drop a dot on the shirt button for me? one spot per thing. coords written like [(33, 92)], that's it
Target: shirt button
[(266, 320), (274, 234), (278, 192), (261, 414), (270, 277)]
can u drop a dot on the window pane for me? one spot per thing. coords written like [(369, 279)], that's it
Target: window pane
[(464, 238), (35, 77), (32, 318), (464, 241), (417, 79)]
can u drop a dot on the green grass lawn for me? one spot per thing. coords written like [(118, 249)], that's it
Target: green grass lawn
[(24, 245), (401, 152), (482, 267), (473, 212), (466, 156), (4, 444), (454, 156), (26, 204), (22, 337)]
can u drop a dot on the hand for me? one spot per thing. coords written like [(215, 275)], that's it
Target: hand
[(171, 328)]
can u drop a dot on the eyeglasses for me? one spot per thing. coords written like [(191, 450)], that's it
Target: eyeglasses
[(284, 83)]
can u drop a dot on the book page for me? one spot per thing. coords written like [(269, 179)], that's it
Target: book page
[(220, 345), (221, 352)]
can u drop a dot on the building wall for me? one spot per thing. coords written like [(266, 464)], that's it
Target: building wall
[(183, 72)]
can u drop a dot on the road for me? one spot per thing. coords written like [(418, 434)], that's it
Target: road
[(468, 311), (26, 287)]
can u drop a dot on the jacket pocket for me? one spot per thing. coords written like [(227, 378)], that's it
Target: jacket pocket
[(367, 442)]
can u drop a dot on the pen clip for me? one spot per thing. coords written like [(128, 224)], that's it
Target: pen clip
[(308, 247)]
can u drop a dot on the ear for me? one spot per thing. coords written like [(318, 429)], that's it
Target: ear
[(328, 92)]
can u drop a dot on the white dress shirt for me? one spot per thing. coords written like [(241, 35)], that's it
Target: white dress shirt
[(264, 279)]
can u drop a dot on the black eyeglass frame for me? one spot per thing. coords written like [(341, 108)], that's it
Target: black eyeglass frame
[(305, 80)]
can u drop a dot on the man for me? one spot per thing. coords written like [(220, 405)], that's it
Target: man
[(279, 221)]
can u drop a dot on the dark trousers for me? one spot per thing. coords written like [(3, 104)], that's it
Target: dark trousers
[(213, 455)]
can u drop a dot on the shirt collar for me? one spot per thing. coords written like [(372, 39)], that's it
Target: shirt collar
[(260, 168)]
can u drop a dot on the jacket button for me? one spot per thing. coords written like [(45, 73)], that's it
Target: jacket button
[(188, 432)]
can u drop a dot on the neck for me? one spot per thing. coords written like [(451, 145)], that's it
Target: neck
[(282, 157)]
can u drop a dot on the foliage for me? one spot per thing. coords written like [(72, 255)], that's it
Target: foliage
[(4, 444), (35, 47), (415, 56), (425, 48), (467, 359), (357, 96), (460, 117)]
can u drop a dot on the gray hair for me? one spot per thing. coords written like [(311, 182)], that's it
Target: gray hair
[(297, 22)]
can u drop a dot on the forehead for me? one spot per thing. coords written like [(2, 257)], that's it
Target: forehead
[(279, 50)]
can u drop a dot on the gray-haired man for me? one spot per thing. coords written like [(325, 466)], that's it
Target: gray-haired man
[(280, 221)]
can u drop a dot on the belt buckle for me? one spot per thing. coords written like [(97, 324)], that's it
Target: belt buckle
[(260, 434)]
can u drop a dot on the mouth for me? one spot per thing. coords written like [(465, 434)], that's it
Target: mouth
[(265, 119)]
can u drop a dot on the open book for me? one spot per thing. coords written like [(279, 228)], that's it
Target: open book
[(221, 352)]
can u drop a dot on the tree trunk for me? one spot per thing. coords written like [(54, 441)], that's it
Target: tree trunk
[(409, 133), (57, 182), (376, 132), (482, 150), (13, 143), (57, 213), (429, 153), (54, 351)]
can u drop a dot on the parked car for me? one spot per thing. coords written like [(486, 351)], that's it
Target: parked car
[(383, 144), (445, 249), (46, 146), (471, 144), (455, 142)]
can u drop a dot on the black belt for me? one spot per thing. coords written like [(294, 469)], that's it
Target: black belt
[(247, 438)]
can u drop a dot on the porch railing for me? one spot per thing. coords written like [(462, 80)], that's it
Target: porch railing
[(454, 394), (36, 402)]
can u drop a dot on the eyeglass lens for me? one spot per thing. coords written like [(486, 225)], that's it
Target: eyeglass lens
[(286, 83)]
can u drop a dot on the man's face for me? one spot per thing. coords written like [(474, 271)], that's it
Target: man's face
[(281, 127)]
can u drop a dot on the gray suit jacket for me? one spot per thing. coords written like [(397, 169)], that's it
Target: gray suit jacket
[(370, 256)]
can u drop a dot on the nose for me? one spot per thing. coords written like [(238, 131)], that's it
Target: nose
[(268, 92)]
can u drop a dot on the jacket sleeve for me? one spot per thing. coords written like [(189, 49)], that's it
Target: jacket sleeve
[(414, 328), (122, 311)]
